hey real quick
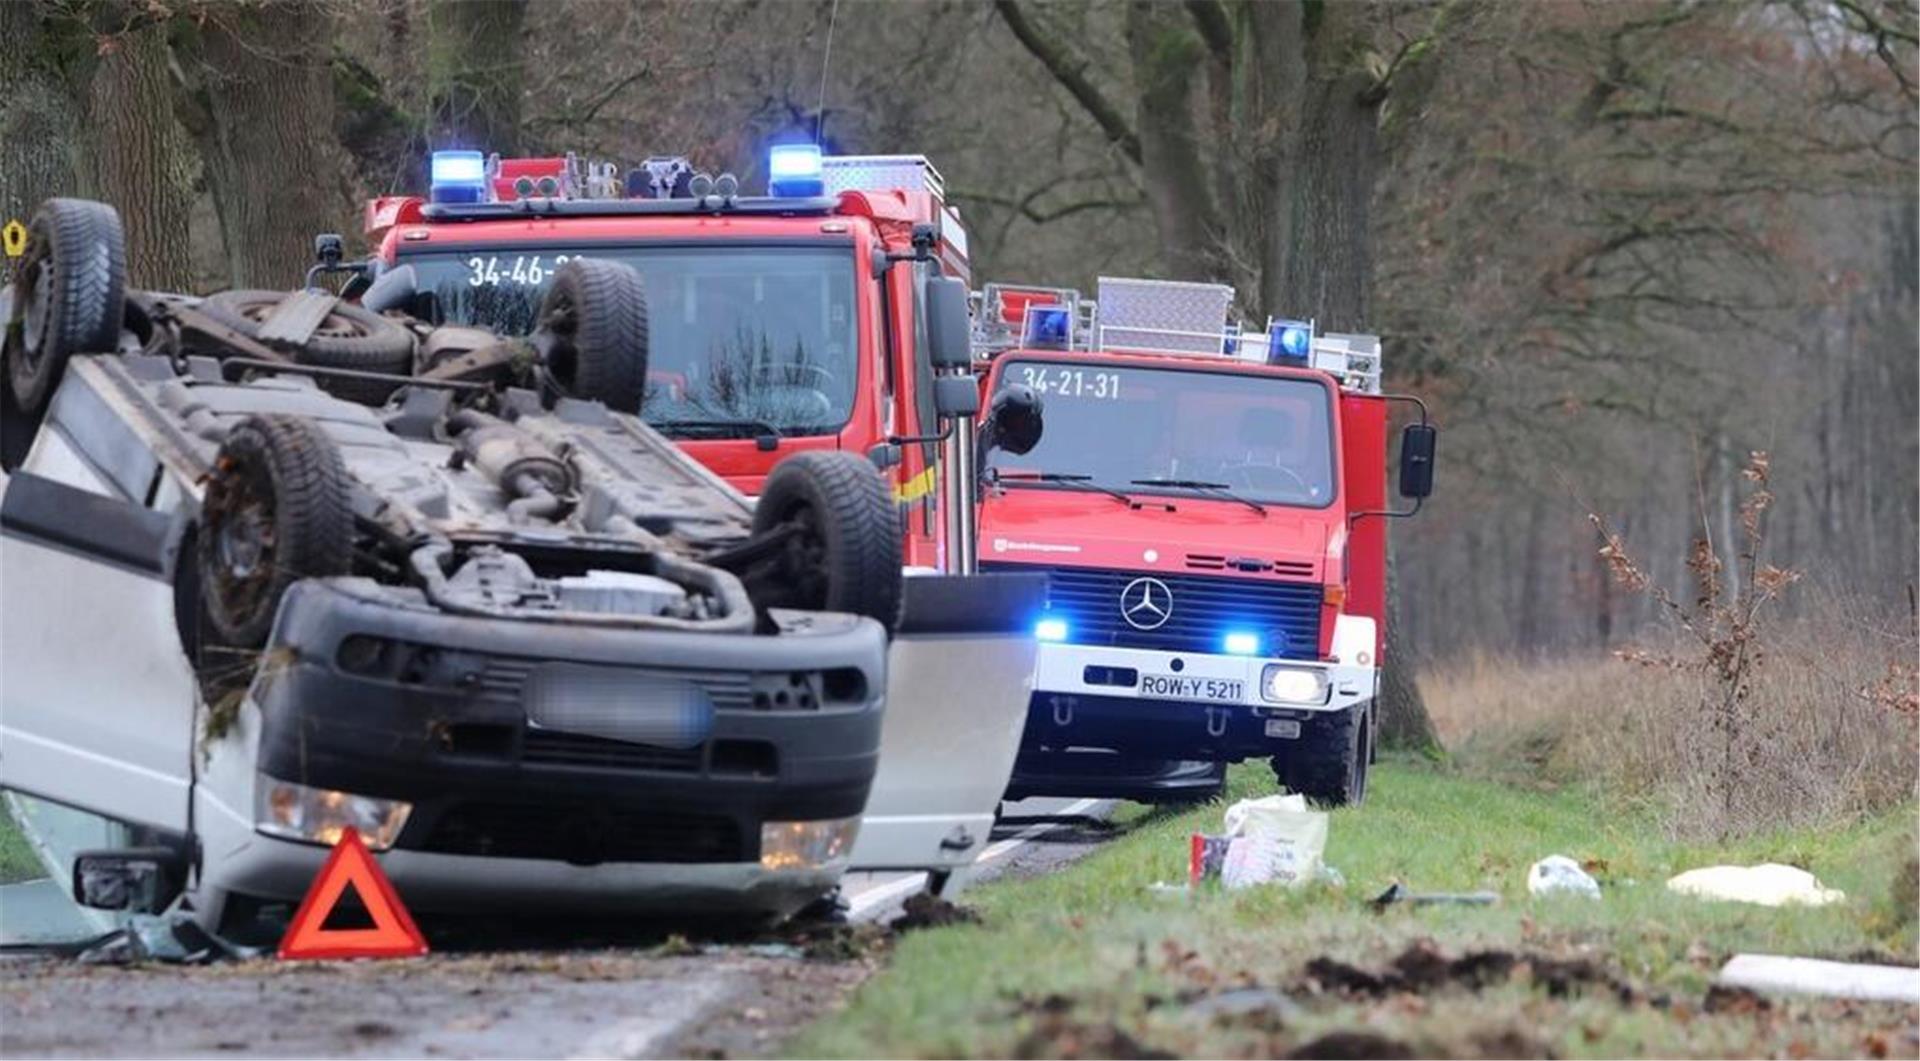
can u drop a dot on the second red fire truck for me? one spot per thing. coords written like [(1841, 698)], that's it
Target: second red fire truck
[(1210, 503)]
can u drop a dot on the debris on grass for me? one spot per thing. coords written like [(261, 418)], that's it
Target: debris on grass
[(1767, 884), (1260, 1007), (1558, 874), (1398, 893), (926, 910), (1810, 976)]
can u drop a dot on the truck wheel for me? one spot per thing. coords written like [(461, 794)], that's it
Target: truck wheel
[(69, 295), (595, 314), (844, 552), (276, 511), (349, 337), (1330, 762)]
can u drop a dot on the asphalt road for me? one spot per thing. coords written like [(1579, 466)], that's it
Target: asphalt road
[(577, 999)]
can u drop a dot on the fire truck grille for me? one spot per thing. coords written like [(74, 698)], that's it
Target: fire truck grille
[(1200, 610)]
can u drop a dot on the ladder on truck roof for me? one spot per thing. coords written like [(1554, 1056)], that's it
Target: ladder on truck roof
[(1173, 318)]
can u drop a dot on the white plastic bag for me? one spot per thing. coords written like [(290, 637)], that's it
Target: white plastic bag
[(1275, 840), (1558, 873)]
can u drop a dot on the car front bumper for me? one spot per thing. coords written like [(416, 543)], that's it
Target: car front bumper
[(503, 810)]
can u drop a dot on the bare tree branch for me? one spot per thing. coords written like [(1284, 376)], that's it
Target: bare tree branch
[(1214, 27), (1070, 71)]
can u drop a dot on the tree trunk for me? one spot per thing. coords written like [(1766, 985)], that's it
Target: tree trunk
[(475, 73), (37, 118), (1404, 722), (1167, 56), (138, 157), (263, 112), (1321, 261)]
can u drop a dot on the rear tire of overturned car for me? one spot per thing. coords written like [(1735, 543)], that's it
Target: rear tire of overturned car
[(594, 317), (1330, 762), (69, 295), (843, 549), (276, 511), (349, 337)]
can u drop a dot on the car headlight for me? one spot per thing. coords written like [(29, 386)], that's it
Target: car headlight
[(807, 845), (1293, 685), (322, 815)]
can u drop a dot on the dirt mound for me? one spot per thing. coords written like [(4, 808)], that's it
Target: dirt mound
[(931, 911), (1360, 1046), (1422, 969)]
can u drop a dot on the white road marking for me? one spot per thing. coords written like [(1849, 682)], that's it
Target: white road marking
[(871, 902)]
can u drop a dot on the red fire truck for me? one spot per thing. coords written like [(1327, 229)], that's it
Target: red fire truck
[(780, 323), (1210, 503), (829, 313)]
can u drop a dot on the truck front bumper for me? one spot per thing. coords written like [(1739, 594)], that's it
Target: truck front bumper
[(1090, 696)]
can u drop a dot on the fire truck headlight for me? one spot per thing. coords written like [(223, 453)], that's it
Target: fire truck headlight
[(793, 171), (1293, 685), (1050, 630), (1240, 643)]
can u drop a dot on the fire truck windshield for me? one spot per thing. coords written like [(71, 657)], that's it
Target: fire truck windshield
[(745, 335), (1192, 432)]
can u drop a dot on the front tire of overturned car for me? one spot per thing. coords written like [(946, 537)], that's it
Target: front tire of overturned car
[(276, 511), (843, 549), (1330, 762)]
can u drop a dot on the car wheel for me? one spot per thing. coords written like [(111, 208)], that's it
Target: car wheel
[(349, 337), (276, 511), (69, 295), (594, 318), (1330, 761), (842, 552)]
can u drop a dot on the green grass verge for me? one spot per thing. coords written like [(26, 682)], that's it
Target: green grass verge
[(17, 860), (1120, 958)]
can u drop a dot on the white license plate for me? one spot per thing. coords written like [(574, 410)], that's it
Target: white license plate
[(1180, 687), (1283, 728)]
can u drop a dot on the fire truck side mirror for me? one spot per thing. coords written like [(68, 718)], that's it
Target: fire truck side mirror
[(1416, 460), (956, 396), (949, 334), (1014, 420)]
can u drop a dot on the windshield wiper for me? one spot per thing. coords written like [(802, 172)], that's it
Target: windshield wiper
[(1065, 478), (743, 428), (1223, 490)]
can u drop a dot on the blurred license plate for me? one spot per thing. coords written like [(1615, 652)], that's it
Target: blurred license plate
[(1180, 687)]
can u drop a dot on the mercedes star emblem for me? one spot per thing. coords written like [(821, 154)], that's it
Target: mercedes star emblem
[(1146, 604)]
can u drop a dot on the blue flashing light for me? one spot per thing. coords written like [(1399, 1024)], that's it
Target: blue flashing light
[(1047, 328), (1289, 341), (794, 172), (458, 167), (1050, 630), (457, 177), (1240, 643)]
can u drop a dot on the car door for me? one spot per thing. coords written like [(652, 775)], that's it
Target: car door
[(97, 696)]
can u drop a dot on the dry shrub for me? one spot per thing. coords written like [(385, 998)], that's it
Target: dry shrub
[(1825, 734)]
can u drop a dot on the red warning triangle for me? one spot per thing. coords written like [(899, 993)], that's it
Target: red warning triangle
[(393, 935)]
